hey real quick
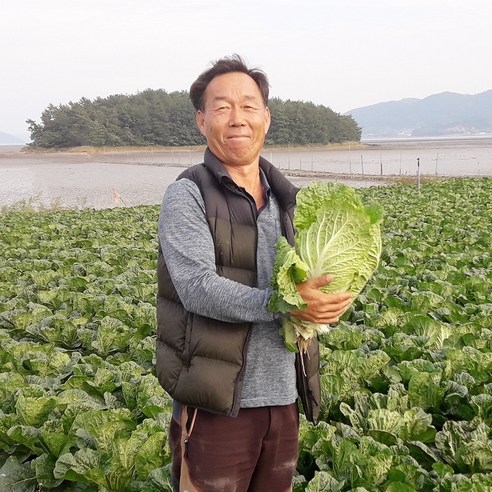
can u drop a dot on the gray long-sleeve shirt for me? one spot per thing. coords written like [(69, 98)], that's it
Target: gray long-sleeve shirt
[(188, 250)]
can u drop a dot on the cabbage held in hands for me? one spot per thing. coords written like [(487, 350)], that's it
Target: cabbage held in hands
[(335, 233)]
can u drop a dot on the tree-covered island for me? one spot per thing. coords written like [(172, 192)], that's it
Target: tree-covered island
[(157, 117)]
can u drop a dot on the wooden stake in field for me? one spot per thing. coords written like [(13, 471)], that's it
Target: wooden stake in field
[(117, 198), (418, 174)]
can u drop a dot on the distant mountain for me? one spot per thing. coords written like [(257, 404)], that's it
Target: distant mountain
[(442, 114), (7, 139)]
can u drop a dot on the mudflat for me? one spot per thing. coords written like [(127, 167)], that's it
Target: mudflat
[(131, 176)]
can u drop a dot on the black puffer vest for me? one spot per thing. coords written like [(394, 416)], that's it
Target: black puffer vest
[(201, 361)]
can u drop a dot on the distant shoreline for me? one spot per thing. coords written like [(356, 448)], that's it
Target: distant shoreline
[(392, 143), (26, 150)]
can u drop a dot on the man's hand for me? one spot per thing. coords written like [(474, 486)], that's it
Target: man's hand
[(321, 308)]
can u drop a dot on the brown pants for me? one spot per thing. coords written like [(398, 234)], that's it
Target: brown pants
[(255, 452)]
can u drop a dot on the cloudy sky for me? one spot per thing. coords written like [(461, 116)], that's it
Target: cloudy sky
[(340, 53)]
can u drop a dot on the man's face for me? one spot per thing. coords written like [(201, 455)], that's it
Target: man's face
[(234, 120)]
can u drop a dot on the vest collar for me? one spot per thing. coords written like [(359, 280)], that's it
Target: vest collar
[(284, 191)]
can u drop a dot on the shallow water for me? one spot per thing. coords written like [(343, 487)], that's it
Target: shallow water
[(105, 180), (443, 157), (88, 185)]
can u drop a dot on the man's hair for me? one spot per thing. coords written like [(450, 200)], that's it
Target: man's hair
[(225, 65)]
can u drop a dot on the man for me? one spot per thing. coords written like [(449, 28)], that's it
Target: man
[(219, 351)]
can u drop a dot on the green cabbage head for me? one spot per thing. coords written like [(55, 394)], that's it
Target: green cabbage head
[(335, 234)]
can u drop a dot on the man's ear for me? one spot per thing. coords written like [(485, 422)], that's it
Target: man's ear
[(268, 119), (200, 121)]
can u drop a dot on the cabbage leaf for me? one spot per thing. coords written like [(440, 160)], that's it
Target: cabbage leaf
[(335, 234)]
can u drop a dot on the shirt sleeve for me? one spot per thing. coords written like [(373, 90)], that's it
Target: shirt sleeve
[(188, 250)]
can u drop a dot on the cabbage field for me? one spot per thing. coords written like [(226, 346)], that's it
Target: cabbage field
[(406, 376)]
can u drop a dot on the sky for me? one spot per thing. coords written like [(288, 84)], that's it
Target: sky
[(342, 54)]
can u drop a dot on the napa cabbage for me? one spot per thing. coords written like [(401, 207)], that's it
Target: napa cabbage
[(335, 234)]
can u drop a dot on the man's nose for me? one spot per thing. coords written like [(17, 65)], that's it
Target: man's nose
[(236, 117)]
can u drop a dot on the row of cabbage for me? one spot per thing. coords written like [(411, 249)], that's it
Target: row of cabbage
[(406, 376)]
